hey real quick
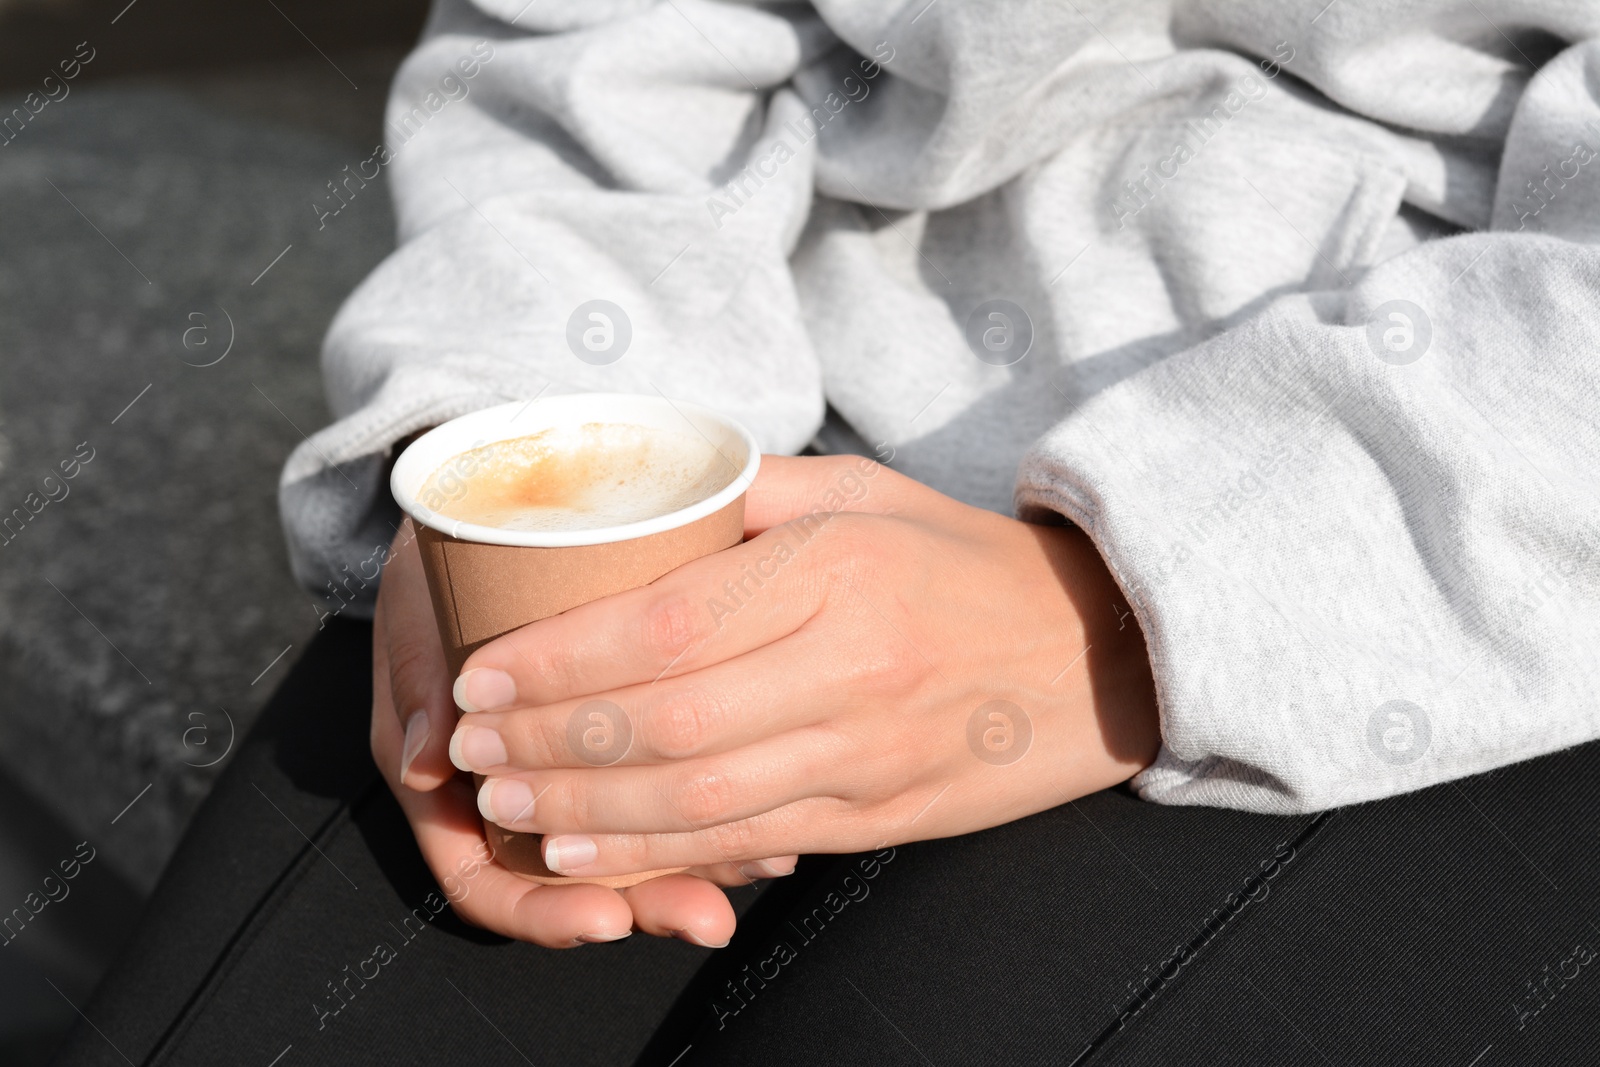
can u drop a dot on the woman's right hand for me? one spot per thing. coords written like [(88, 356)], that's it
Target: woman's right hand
[(413, 717)]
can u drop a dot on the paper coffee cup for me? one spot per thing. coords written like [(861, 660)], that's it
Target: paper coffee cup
[(486, 581)]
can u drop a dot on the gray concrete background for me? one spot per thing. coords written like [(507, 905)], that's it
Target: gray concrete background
[(156, 592)]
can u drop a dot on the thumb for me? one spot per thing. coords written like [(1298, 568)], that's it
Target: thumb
[(412, 662), (787, 487)]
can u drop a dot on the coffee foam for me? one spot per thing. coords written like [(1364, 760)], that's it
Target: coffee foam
[(581, 477)]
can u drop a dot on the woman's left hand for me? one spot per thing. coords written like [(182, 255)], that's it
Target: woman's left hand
[(877, 664)]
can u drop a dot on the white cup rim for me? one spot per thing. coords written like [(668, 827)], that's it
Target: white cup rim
[(519, 418)]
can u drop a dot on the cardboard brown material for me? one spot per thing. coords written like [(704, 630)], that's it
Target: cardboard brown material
[(482, 590)]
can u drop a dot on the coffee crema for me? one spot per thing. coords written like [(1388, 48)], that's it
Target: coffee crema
[(581, 477)]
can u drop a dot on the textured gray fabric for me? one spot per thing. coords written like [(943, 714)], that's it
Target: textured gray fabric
[(1360, 535)]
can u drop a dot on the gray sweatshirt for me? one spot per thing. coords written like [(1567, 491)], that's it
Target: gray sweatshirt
[(1293, 306)]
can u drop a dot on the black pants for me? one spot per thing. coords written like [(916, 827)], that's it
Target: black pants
[(1456, 926)]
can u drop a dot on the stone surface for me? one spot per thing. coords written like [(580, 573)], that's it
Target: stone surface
[(146, 610)]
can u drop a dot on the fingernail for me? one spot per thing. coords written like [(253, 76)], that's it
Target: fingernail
[(763, 869), (477, 748), (484, 689), (416, 737), (504, 801), (569, 852), (600, 939), (695, 939)]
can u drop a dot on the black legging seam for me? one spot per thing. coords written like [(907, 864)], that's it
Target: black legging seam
[(247, 929), (1203, 942)]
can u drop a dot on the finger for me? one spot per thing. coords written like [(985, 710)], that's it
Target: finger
[(673, 906), (789, 487), (692, 909), (450, 837), (668, 798), (750, 872), (721, 708), (419, 682), (449, 833), (706, 611), (817, 824), (682, 906)]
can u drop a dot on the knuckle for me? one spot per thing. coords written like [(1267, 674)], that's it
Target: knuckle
[(895, 668), (887, 481), (706, 798), (409, 661), (735, 840), (544, 740), (838, 463), (893, 820), (682, 723), (670, 624), (555, 664), (850, 549), (838, 470), (563, 807)]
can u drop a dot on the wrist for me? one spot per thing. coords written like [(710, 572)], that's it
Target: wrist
[(1117, 681)]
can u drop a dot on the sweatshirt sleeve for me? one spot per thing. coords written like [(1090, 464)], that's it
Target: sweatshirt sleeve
[(553, 167), (1361, 531)]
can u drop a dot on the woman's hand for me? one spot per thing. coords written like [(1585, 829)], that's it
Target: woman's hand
[(878, 664), (412, 719)]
